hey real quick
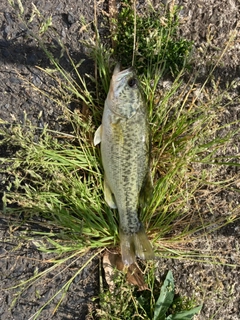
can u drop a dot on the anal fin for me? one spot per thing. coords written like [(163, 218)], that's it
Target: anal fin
[(108, 195), (98, 136)]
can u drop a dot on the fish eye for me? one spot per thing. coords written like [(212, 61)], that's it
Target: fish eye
[(132, 82)]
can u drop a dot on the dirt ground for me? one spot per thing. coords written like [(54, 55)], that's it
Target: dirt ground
[(208, 24)]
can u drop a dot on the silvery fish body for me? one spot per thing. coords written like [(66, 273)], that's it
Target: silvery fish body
[(124, 138)]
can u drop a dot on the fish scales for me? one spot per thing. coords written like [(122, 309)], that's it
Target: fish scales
[(126, 169), (124, 141)]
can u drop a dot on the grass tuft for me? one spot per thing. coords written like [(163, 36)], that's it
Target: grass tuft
[(151, 38)]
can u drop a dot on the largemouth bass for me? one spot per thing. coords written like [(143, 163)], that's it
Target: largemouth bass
[(124, 138)]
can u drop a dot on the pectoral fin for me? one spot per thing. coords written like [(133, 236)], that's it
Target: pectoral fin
[(98, 135), (108, 195)]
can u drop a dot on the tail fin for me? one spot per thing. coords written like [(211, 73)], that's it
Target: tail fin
[(136, 244)]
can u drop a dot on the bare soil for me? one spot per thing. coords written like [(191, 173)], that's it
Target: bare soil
[(209, 25)]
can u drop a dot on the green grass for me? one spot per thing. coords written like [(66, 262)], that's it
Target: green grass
[(157, 303), (150, 39), (58, 175)]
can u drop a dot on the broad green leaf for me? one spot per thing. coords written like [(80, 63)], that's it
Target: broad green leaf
[(165, 298), (185, 315)]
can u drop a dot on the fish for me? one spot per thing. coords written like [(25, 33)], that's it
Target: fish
[(125, 143)]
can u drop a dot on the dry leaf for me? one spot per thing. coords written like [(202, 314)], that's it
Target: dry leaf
[(134, 275)]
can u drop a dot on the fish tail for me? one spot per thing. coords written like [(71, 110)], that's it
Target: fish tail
[(143, 248), (136, 244), (127, 248)]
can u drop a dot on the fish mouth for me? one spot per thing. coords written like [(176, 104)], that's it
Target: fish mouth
[(119, 75)]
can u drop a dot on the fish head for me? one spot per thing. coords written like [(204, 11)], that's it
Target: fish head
[(124, 96)]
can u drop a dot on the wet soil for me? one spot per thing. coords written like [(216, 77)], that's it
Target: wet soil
[(209, 25)]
